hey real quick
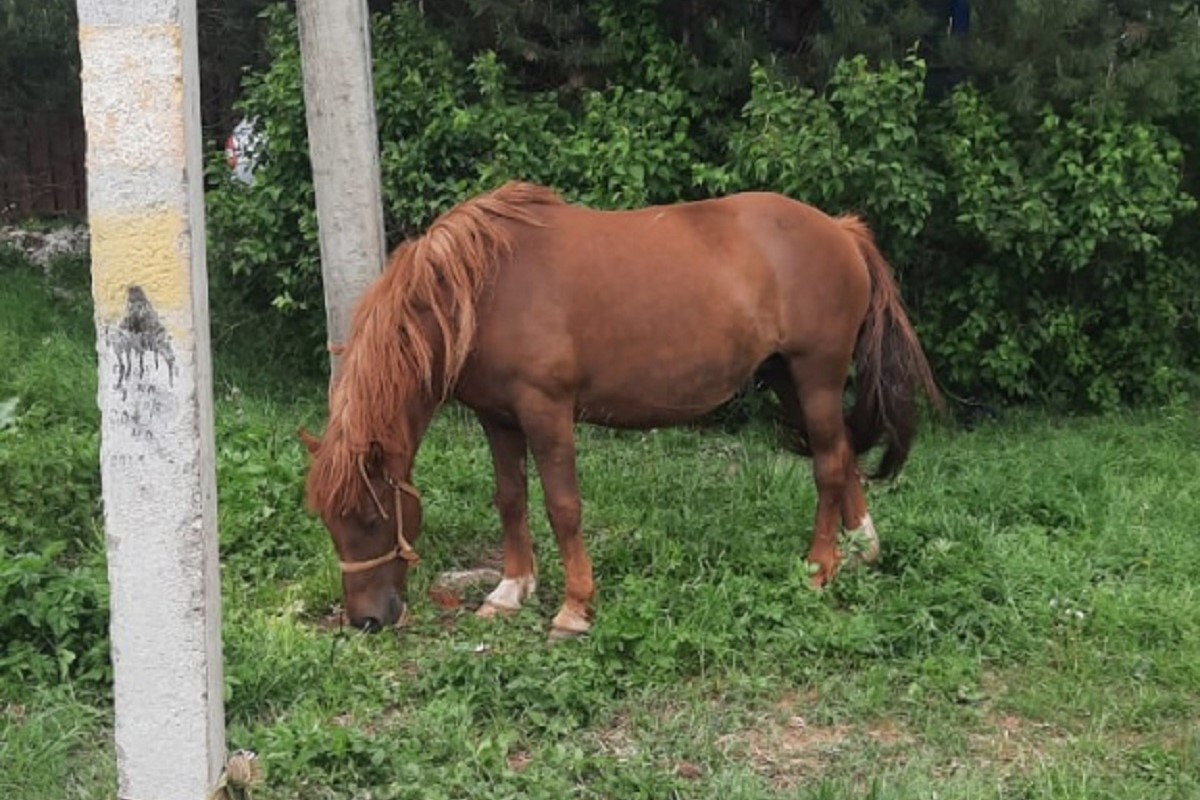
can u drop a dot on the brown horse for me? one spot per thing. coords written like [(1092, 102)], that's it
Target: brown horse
[(537, 314)]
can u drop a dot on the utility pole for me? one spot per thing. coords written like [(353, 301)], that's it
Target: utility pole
[(339, 100), (146, 214)]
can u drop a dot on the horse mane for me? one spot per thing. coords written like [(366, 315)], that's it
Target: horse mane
[(411, 333)]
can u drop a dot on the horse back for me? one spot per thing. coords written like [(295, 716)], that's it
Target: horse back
[(667, 307)]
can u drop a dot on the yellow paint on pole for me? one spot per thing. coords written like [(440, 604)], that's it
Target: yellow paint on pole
[(146, 250)]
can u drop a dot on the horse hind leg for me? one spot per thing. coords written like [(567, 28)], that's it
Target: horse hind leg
[(861, 539), (819, 380), (509, 450), (774, 373)]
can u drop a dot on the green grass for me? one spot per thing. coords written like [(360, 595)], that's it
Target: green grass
[(1032, 631)]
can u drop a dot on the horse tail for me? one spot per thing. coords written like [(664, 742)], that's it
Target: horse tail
[(890, 366)]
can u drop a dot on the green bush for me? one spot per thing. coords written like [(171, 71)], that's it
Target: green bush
[(1043, 260), (1051, 277), (265, 236), (448, 132), (53, 615), (1037, 260), (854, 148), (53, 593)]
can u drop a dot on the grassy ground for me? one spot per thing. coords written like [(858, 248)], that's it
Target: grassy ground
[(1033, 630)]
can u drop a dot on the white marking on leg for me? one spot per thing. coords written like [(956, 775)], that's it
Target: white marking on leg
[(863, 541), (511, 592)]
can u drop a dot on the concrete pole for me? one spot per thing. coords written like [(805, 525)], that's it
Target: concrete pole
[(339, 100), (146, 213)]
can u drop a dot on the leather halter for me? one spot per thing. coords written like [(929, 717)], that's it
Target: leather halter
[(403, 550)]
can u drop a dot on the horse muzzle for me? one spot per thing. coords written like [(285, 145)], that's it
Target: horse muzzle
[(390, 615)]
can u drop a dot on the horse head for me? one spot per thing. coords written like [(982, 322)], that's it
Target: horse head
[(373, 515)]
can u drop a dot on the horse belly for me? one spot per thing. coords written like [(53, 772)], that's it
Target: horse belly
[(664, 378)]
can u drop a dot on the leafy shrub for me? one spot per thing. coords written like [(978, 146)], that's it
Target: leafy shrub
[(853, 148), (266, 235), (1043, 262), (53, 593), (1053, 281), (447, 133), (54, 615)]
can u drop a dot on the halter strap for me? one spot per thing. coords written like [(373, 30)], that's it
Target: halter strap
[(403, 550)]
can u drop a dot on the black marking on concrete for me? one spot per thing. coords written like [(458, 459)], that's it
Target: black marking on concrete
[(141, 332)]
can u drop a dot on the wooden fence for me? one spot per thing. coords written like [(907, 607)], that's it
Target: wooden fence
[(42, 166)]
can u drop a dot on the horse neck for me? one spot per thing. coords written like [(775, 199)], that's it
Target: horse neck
[(412, 421), (381, 398)]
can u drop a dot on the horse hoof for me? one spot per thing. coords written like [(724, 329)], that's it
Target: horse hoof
[(871, 557), (861, 545), (564, 634), (490, 610), (505, 600), (821, 578), (569, 623)]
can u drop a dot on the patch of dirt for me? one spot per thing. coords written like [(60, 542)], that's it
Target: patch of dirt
[(619, 740), (445, 598), (790, 752), (492, 558), (335, 620), (779, 744), (889, 733), (1012, 745), (616, 740), (450, 590), (387, 719), (518, 760)]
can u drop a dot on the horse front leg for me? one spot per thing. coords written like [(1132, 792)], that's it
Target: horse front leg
[(509, 449), (861, 539), (551, 432)]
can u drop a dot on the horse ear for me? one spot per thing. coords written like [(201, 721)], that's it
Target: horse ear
[(311, 443)]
